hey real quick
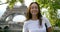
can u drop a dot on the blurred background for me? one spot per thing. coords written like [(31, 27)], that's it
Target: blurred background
[(13, 12)]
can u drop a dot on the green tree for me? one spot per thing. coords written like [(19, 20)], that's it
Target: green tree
[(51, 14), (11, 2)]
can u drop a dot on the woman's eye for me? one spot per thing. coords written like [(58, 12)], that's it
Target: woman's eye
[(32, 7), (36, 7)]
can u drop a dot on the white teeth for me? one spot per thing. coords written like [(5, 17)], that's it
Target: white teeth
[(33, 13)]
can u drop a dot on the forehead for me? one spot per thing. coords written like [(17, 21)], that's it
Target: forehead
[(34, 4)]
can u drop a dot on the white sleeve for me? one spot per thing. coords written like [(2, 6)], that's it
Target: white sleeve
[(25, 27), (47, 23)]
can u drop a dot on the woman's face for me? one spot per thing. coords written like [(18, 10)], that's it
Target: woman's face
[(34, 9)]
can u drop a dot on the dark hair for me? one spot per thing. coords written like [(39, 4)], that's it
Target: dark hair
[(29, 16)]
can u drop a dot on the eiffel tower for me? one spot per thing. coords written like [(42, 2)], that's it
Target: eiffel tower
[(21, 10)]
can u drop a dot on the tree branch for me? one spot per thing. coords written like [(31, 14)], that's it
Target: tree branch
[(3, 3)]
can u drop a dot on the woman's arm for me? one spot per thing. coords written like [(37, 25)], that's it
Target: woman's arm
[(25, 27), (48, 24)]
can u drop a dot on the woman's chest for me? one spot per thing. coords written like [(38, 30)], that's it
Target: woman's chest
[(36, 26)]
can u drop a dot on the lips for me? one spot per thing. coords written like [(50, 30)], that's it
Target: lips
[(34, 12)]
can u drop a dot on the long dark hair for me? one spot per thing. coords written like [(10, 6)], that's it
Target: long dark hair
[(29, 15)]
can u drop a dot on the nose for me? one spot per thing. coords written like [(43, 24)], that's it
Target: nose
[(34, 9)]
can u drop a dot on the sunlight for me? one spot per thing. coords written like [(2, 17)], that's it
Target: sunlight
[(18, 4), (27, 2), (58, 13), (19, 18), (2, 1), (44, 9)]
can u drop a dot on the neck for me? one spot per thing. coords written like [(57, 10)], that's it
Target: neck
[(34, 17)]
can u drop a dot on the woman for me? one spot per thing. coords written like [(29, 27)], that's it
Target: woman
[(35, 22)]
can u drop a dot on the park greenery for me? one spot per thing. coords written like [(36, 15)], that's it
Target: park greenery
[(52, 14)]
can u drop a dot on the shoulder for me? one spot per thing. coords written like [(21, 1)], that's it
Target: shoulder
[(45, 19), (26, 22)]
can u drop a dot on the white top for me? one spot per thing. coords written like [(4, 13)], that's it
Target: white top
[(33, 25)]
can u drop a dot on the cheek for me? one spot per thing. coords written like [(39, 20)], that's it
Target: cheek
[(34, 11)]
